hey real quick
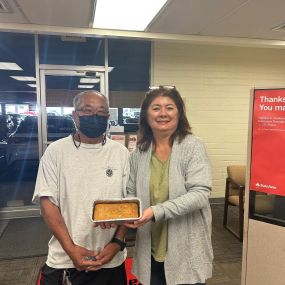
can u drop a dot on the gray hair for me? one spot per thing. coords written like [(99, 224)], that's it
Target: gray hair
[(78, 97)]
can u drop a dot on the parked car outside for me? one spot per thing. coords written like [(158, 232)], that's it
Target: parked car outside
[(22, 145), (3, 128)]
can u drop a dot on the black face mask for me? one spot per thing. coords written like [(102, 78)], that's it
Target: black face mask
[(93, 126)]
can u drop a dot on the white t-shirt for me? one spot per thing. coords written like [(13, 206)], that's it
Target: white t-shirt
[(73, 179)]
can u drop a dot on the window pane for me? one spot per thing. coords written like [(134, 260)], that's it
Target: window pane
[(19, 157), (130, 77), (85, 51)]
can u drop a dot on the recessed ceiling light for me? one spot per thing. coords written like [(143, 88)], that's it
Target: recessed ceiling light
[(85, 86), (32, 85), (24, 78), (10, 66), (89, 80), (134, 15)]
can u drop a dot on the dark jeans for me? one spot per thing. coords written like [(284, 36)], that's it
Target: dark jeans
[(158, 276), (104, 276)]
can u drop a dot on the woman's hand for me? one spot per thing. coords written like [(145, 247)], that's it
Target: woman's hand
[(146, 217)]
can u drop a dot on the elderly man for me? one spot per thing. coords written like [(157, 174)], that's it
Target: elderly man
[(73, 172)]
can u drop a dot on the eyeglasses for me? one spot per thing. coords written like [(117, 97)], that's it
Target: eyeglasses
[(162, 86), (90, 112)]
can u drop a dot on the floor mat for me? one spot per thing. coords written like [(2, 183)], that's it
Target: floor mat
[(24, 238)]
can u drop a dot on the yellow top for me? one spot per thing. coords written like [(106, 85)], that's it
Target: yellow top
[(159, 190)]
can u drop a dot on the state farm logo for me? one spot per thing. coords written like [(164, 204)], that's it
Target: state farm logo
[(265, 186)]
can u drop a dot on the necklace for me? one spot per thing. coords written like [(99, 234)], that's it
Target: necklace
[(74, 141), (77, 145)]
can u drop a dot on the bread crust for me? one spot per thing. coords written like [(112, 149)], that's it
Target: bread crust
[(111, 211)]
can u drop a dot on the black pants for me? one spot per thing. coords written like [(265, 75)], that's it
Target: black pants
[(158, 275), (104, 276)]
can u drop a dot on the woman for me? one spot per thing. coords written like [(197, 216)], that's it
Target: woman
[(170, 173)]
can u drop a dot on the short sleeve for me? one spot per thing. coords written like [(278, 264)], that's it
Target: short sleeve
[(47, 178)]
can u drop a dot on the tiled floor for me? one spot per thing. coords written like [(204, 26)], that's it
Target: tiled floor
[(22, 271), (227, 251), (227, 264)]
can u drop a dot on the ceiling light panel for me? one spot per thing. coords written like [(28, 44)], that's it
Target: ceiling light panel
[(10, 66), (89, 80), (85, 86), (134, 15), (24, 78)]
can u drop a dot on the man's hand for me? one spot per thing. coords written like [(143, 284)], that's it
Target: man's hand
[(146, 217), (82, 258), (105, 225), (106, 255)]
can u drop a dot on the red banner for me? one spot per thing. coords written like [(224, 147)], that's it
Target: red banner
[(268, 142)]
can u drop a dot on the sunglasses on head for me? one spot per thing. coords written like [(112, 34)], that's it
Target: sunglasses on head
[(162, 86)]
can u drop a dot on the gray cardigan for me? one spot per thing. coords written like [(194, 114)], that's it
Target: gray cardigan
[(189, 254)]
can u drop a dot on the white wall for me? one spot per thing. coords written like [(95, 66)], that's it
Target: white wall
[(216, 82)]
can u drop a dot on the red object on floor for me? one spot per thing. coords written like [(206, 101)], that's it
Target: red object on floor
[(132, 279), (39, 278)]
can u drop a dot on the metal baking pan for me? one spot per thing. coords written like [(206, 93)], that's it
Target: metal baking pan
[(117, 210)]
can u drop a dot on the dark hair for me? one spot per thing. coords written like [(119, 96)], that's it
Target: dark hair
[(145, 131)]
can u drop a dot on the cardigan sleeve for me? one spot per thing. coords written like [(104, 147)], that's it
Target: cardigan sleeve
[(131, 185), (197, 182)]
